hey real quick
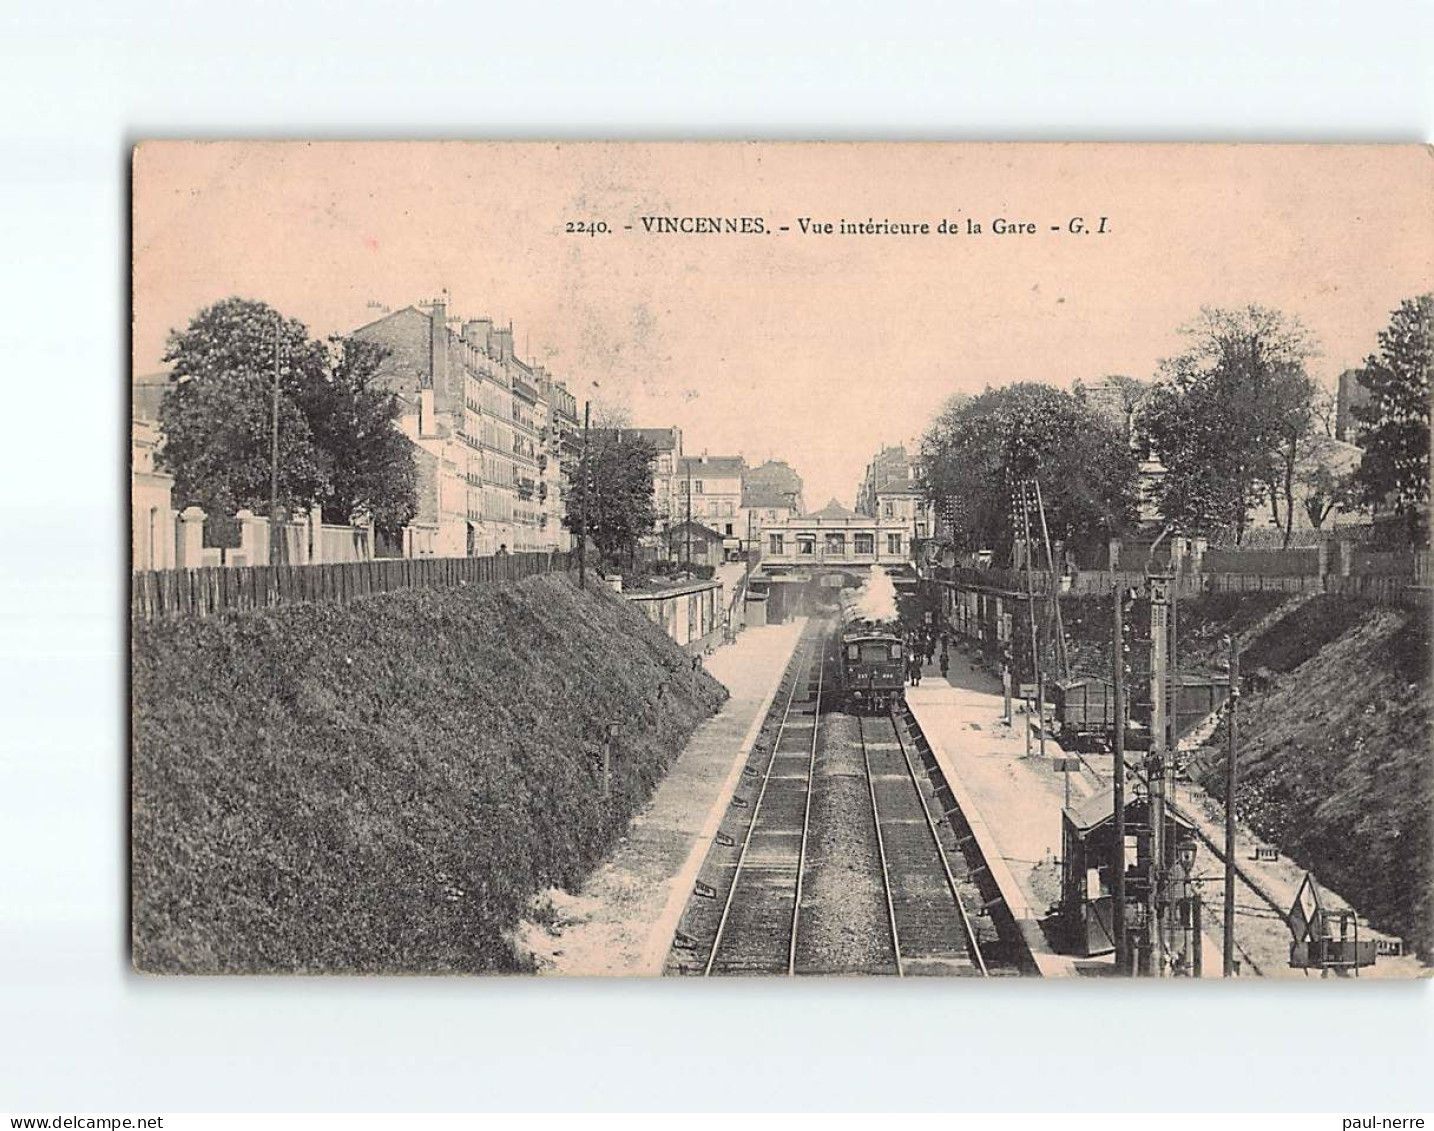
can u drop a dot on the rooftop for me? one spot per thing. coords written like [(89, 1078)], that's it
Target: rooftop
[(719, 467)]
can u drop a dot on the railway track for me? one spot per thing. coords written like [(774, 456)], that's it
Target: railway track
[(841, 853), (931, 931), (757, 929)]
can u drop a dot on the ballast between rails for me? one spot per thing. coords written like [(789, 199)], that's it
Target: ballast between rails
[(799, 672), (881, 850), (807, 810), (967, 928)]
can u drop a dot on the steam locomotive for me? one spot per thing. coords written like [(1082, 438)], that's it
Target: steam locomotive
[(872, 659)]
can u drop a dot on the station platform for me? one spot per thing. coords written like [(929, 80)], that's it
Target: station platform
[(1013, 802), (623, 919)]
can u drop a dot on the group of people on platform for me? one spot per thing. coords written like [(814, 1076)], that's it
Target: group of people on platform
[(921, 649)]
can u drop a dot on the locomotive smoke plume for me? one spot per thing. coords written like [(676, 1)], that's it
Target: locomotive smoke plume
[(877, 599)]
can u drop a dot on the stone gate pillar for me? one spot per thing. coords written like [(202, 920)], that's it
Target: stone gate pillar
[(189, 543)]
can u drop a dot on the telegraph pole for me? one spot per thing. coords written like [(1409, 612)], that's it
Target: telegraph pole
[(583, 503), (1157, 769), (1173, 700), (275, 533), (1117, 916), (1062, 659), (1031, 615), (1231, 774)]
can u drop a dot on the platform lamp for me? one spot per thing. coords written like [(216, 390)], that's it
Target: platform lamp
[(1191, 917)]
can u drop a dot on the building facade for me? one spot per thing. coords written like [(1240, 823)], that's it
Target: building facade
[(1351, 395), (486, 419), (771, 494), (837, 536), (152, 518), (891, 491), (711, 493)]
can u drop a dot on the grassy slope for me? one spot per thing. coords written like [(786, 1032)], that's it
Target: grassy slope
[(382, 786), (1335, 736), (1335, 757)]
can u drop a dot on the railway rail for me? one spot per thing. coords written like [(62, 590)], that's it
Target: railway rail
[(757, 929), (841, 853), (931, 931)]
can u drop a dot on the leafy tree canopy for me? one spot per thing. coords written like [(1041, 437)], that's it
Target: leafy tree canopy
[(337, 443), (617, 489), (980, 447), (1395, 437), (1228, 419), (367, 462)]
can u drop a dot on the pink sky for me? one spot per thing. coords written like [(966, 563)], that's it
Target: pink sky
[(813, 349)]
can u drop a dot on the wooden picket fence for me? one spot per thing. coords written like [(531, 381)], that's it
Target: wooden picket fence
[(210, 591)]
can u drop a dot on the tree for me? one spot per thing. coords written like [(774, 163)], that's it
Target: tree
[(1395, 468), (1229, 418), (217, 414), (617, 488), (1325, 490), (979, 448), (338, 446), (367, 463), (1325, 407)]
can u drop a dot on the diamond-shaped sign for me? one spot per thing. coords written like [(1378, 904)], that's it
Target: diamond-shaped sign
[(1306, 918)]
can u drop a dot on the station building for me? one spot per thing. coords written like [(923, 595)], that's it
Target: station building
[(836, 536)]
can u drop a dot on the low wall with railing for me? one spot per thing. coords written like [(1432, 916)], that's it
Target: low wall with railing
[(1405, 583), (214, 590)]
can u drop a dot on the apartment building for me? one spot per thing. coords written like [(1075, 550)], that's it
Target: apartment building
[(891, 491), (485, 419), (711, 493)]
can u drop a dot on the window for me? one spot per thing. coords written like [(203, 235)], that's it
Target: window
[(865, 543), (697, 486), (893, 543), (774, 544), (728, 530), (806, 543), (836, 544), (873, 651), (888, 510)]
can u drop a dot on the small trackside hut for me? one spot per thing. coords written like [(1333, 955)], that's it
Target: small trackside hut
[(1087, 848)]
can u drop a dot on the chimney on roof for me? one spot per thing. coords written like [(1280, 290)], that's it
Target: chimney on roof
[(477, 331), (438, 352)]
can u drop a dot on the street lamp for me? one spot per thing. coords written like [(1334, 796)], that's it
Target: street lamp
[(583, 500), (276, 545)]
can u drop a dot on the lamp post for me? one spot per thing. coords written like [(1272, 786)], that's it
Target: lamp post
[(583, 502), (1189, 909), (276, 534)]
